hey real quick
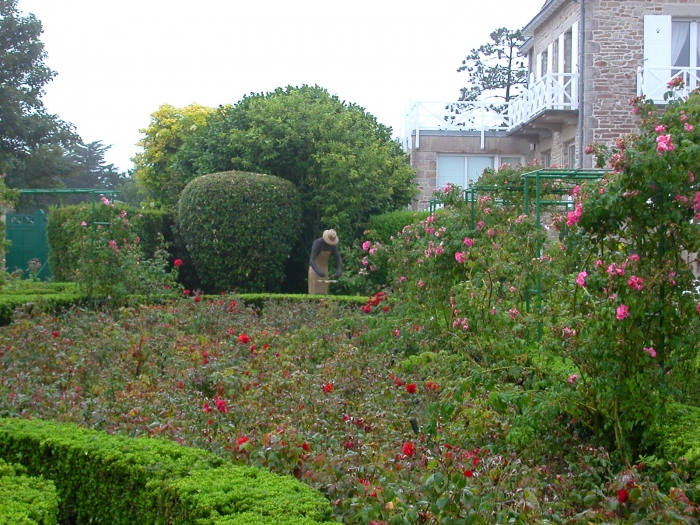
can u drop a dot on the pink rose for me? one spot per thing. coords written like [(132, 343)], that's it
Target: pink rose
[(623, 312)]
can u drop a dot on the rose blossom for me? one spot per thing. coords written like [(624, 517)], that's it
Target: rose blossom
[(581, 279), (622, 312)]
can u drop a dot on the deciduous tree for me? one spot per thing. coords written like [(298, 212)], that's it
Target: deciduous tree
[(156, 175), (26, 129), (344, 163)]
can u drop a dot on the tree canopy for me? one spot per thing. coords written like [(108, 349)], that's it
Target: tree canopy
[(495, 68), (343, 162), (155, 172), (91, 168), (32, 141)]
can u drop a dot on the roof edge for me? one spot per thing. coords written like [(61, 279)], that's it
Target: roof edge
[(547, 10)]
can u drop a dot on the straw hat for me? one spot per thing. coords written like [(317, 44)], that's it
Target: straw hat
[(330, 237)]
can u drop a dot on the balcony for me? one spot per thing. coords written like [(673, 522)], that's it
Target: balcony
[(548, 102), (652, 82)]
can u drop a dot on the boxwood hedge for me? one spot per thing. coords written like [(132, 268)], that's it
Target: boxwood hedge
[(26, 500), (102, 478)]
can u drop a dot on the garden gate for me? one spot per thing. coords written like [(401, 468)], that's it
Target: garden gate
[(27, 232)]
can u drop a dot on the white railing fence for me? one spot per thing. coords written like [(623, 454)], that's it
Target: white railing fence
[(652, 82), (557, 91)]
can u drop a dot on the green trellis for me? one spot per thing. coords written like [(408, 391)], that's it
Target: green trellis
[(532, 181)]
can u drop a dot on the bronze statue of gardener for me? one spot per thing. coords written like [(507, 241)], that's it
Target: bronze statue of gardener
[(321, 250)]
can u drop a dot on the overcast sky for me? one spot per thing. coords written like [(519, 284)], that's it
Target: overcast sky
[(119, 60)]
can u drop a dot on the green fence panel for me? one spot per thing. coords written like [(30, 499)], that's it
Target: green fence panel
[(27, 232)]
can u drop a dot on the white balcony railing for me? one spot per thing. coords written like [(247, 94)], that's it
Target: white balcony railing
[(557, 91), (478, 116), (652, 82)]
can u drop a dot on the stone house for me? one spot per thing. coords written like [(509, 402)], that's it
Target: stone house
[(587, 59)]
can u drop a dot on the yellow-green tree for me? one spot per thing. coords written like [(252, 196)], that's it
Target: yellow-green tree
[(156, 174)]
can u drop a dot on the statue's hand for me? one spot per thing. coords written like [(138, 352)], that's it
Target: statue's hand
[(321, 274)]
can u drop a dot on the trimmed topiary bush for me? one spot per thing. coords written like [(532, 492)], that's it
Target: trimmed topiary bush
[(239, 229)]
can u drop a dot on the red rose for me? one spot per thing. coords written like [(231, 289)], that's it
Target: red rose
[(206, 407), (197, 299), (55, 334), (468, 473), (243, 338), (241, 441), (221, 405), (411, 388), (305, 446), (622, 496), (327, 388), (177, 263), (408, 449)]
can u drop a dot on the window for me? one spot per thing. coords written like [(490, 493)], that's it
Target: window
[(571, 154), (568, 51), (511, 161), (543, 63), (463, 170), (685, 50), (546, 159)]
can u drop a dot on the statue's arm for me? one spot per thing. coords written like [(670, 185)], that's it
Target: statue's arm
[(315, 249), (339, 267)]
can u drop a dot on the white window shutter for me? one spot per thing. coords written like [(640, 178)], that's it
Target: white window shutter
[(657, 56), (574, 64)]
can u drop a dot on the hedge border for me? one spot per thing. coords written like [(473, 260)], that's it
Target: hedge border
[(102, 478), (26, 500)]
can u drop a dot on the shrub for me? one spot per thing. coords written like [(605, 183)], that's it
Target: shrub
[(388, 224), (26, 500), (63, 255), (114, 479), (33, 302), (239, 229), (100, 247)]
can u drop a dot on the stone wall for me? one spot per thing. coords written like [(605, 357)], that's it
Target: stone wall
[(614, 51)]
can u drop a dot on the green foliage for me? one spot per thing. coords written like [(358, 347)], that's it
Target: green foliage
[(114, 479), (155, 171), (100, 247), (630, 296), (91, 170), (8, 199), (25, 500), (494, 68), (324, 391), (33, 303), (239, 229), (32, 141), (344, 164), (386, 225), (678, 437)]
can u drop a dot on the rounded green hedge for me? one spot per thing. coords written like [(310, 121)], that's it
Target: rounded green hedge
[(239, 229)]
